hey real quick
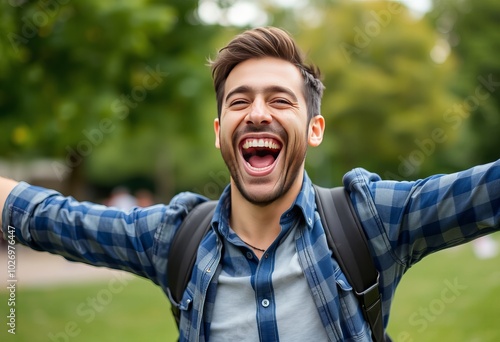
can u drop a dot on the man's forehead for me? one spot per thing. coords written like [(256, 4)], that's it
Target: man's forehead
[(265, 90), (264, 74)]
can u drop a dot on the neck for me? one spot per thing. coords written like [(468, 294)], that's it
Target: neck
[(259, 225)]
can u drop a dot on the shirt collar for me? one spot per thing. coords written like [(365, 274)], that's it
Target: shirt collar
[(305, 202)]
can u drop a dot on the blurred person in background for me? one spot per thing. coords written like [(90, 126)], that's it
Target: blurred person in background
[(144, 198), (121, 198)]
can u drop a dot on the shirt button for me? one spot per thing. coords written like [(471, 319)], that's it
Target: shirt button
[(265, 303), (249, 255)]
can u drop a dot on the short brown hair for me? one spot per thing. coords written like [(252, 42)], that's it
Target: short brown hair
[(266, 42)]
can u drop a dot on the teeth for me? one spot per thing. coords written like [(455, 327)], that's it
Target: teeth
[(268, 143)]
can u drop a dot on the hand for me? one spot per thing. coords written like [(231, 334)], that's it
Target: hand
[(6, 186)]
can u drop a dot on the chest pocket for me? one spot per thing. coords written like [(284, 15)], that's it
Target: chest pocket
[(353, 324)]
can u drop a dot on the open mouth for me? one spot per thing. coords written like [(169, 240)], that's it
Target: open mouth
[(260, 154)]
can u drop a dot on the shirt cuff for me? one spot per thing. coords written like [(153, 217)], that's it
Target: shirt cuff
[(19, 207)]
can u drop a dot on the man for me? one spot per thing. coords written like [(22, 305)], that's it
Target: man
[(264, 270)]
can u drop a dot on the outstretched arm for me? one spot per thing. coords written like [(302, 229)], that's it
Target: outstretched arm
[(136, 241), (6, 186)]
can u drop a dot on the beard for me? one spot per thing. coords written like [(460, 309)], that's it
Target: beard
[(292, 163)]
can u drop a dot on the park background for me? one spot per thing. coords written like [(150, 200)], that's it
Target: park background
[(97, 95)]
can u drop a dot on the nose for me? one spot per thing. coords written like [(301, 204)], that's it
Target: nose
[(259, 114)]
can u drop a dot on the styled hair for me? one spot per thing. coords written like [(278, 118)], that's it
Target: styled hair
[(266, 42)]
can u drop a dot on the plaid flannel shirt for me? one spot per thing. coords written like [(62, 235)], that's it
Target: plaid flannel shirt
[(404, 221)]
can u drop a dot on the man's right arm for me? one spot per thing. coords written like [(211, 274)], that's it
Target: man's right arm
[(6, 186), (136, 241)]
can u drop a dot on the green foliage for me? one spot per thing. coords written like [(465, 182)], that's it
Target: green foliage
[(384, 97), (471, 28), (120, 88)]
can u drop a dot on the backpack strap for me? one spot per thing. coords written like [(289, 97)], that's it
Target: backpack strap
[(347, 240), (183, 251)]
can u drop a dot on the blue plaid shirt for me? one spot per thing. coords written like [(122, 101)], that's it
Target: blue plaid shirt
[(404, 221)]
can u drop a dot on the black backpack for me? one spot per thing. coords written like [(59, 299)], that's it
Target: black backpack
[(346, 240)]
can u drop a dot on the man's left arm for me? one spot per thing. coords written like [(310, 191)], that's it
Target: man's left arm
[(414, 219)]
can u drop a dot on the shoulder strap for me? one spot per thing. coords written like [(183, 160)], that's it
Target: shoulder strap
[(183, 251), (346, 238)]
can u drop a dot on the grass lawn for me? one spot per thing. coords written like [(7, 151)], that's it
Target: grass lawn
[(135, 310), (450, 296)]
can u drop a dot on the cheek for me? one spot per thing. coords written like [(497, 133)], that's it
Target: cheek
[(301, 131), (297, 146), (229, 129), (226, 142)]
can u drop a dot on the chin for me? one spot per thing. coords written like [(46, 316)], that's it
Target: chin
[(261, 194)]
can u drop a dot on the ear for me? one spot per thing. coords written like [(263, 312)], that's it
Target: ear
[(216, 130), (316, 130)]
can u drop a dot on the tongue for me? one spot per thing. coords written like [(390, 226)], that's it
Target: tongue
[(261, 162)]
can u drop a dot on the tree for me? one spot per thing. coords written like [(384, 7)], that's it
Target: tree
[(112, 89), (386, 98), (471, 29)]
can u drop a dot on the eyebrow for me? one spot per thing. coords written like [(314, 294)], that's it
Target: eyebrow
[(244, 89)]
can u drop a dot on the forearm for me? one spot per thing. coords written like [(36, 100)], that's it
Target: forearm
[(6, 186)]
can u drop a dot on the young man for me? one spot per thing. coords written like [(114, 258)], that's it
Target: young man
[(264, 271)]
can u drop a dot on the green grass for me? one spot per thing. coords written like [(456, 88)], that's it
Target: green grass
[(135, 310), (449, 296), (426, 308)]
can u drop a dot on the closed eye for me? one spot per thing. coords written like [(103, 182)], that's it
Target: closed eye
[(280, 100), (281, 103), (238, 104)]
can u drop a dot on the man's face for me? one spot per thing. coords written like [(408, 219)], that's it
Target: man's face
[(263, 130)]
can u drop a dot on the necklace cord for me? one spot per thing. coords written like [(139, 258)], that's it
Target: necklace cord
[(253, 247)]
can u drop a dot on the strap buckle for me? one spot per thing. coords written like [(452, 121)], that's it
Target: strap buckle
[(371, 295)]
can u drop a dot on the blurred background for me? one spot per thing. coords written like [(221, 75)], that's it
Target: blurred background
[(96, 95), (100, 99)]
